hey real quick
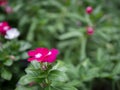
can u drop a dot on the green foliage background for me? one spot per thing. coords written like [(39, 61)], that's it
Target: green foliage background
[(92, 61)]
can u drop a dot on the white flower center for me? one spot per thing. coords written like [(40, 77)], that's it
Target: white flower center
[(6, 28), (38, 55), (49, 53)]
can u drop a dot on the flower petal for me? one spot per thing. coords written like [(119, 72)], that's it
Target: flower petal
[(39, 59), (50, 58), (31, 53), (54, 51), (12, 33), (43, 51)]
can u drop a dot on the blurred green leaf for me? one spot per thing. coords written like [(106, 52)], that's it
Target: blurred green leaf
[(6, 74), (56, 75), (8, 62)]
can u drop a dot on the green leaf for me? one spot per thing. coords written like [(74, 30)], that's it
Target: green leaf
[(116, 69), (48, 88), (60, 66), (68, 88), (6, 74), (38, 73), (24, 55), (35, 64), (30, 35), (92, 73), (56, 75), (105, 74), (70, 35), (8, 62), (27, 79), (64, 87), (24, 46), (74, 83)]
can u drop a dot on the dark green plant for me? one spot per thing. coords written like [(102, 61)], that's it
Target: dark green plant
[(45, 76)]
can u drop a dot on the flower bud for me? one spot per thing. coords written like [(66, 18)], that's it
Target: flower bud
[(90, 30), (89, 10)]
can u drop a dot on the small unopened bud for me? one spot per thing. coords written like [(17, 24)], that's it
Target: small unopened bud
[(44, 67), (89, 10), (90, 30)]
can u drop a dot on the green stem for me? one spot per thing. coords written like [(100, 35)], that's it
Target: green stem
[(46, 83), (88, 20), (32, 28), (83, 48)]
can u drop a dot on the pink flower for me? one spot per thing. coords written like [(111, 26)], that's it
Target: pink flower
[(89, 10), (90, 30), (8, 9), (43, 55), (4, 27), (3, 2)]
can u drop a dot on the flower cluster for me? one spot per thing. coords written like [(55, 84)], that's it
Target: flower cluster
[(8, 9), (43, 55), (7, 31)]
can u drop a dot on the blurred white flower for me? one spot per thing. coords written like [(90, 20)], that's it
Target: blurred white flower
[(12, 33)]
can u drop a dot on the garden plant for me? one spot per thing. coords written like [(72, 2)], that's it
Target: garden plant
[(59, 45)]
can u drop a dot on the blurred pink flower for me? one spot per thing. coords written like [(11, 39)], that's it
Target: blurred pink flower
[(43, 55), (8, 9), (89, 10), (3, 2), (90, 30), (4, 26)]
